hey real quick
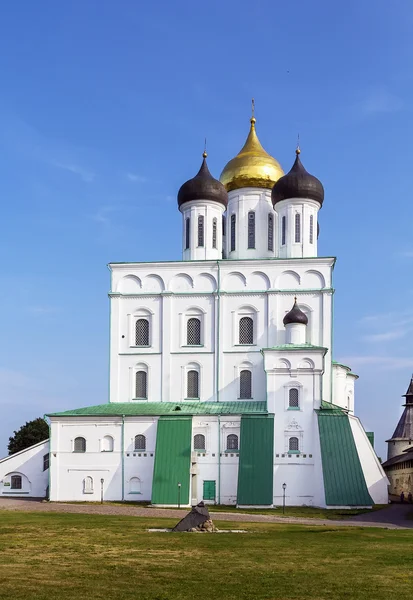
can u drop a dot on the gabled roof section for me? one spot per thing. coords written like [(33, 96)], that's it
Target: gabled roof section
[(131, 409), (25, 450)]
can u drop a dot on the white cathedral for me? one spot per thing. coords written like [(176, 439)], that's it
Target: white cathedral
[(223, 386)]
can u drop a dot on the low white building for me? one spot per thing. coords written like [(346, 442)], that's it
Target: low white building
[(223, 386)]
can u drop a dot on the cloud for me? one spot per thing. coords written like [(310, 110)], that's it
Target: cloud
[(102, 215), (387, 363), (380, 101), (385, 336), (389, 326), (84, 174), (135, 178)]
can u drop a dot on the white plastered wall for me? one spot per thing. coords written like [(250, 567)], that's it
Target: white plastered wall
[(29, 465)]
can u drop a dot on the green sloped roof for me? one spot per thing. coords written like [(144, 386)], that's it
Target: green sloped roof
[(166, 408), (344, 481), (332, 407)]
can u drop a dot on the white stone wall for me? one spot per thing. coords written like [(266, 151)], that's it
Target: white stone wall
[(305, 245), (343, 387), (29, 465), (210, 211)]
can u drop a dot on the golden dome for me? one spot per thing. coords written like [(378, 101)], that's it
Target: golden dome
[(252, 167)]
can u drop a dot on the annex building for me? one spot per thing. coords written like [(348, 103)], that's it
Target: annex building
[(223, 386)]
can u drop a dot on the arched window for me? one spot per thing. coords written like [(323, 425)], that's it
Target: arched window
[(140, 442), (88, 485), (283, 230), (135, 485), (233, 223), (193, 332), (214, 233), (245, 381), (142, 332), (232, 442), (79, 445), (251, 229), (201, 230), (293, 398), (141, 384), (199, 442), (246, 330), (293, 445), (16, 482), (187, 232), (311, 229), (192, 390), (297, 227), (270, 232), (107, 443)]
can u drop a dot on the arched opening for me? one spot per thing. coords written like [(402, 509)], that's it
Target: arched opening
[(293, 399), (245, 384), (141, 388), (88, 485), (192, 384), (140, 442), (199, 441), (193, 332), (107, 443), (293, 445), (232, 442), (142, 332), (79, 444), (246, 330)]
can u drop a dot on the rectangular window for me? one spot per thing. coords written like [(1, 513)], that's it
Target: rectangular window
[(201, 231), (311, 229), (297, 228), (46, 462), (271, 232), (233, 218), (16, 482), (283, 230), (251, 230), (187, 232), (214, 233)]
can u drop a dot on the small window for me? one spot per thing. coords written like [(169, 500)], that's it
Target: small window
[(283, 230), (245, 380), (142, 332), (187, 232), (311, 229), (199, 442), (200, 230), (293, 444), (297, 227), (141, 384), (107, 443), (251, 230), (214, 233), (232, 442), (270, 232), (193, 332), (192, 384), (140, 442), (246, 330), (233, 223), (46, 461), (293, 398), (88, 485), (135, 485), (16, 482), (79, 445), (224, 225)]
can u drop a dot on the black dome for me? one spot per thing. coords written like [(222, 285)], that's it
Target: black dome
[(298, 184), (295, 315), (203, 187)]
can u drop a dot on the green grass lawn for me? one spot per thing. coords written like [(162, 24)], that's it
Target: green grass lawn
[(305, 512), (71, 556)]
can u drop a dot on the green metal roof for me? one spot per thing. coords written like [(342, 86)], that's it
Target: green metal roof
[(344, 481), (132, 409), (332, 407)]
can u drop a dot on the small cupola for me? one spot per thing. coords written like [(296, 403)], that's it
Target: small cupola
[(203, 187), (298, 183), (295, 323)]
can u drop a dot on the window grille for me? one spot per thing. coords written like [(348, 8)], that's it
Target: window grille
[(140, 442), (142, 332), (245, 387), (193, 332), (246, 330), (141, 384), (199, 442), (16, 482), (79, 445), (187, 232), (214, 233), (233, 221), (251, 230), (270, 232), (297, 227), (88, 485), (192, 384), (46, 461), (293, 398), (200, 230), (232, 442), (311, 229), (293, 444), (283, 230)]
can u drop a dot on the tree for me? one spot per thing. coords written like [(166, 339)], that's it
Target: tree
[(32, 433)]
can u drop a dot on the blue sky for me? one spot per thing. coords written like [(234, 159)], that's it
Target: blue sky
[(104, 107)]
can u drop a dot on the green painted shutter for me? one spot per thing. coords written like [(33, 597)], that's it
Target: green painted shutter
[(344, 481), (172, 460), (209, 490), (255, 474)]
